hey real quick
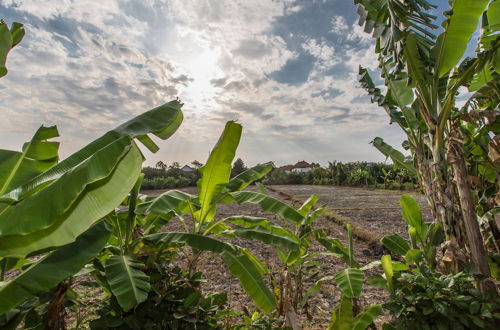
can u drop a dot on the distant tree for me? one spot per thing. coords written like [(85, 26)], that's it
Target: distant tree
[(175, 165), (161, 165), (196, 164), (238, 167)]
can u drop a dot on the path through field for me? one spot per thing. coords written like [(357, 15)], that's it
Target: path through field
[(374, 211)]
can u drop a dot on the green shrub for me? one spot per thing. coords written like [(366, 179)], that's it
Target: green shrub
[(434, 301), (174, 302)]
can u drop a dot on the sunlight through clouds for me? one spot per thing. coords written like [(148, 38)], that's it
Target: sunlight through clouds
[(287, 70)]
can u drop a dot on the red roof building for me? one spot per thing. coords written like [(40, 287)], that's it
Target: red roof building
[(302, 164)]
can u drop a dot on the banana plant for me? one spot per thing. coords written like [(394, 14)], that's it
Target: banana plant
[(203, 228), (418, 253), (297, 266), (56, 209), (350, 281), (423, 73), (424, 238)]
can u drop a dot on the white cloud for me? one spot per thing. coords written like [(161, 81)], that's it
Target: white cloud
[(320, 50), (339, 25), (89, 65)]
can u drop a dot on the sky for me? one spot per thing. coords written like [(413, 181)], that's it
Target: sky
[(286, 70)]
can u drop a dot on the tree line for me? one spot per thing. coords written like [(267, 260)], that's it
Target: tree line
[(356, 174)]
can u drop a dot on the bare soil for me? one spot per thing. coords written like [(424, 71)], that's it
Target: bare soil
[(374, 210)]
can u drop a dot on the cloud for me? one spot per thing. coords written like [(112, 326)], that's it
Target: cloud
[(339, 25), (286, 69), (252, 49)]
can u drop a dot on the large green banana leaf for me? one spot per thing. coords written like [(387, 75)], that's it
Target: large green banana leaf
[(494, 15), (350, 281), (172, 200), (55, 207), (217, 170), (412, 215), (459, 27), (366, 317), (98, 167), (58, 205), (248, 222), (395, 244), (400, 92), (273, 235), (8, 39), (269, 204), (162, 121), (242, 180), (128, 282), (93, 203), (241, 264), (250, 278), (397, 157), (308, 205), (55, 267), (37, 156), (342, 316)]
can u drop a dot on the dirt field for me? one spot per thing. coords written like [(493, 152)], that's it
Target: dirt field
[(375, 211)]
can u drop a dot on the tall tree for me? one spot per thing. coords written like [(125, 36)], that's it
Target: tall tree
[(161, 165), (423, 74), (238, 167), (196, 164)]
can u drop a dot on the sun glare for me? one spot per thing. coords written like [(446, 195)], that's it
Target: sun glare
[(203, 68)]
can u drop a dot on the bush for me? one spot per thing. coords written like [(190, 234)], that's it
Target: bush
[(434, 301), (175, 302), (168, 182)]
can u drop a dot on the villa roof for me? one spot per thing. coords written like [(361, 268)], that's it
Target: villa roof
[(302, 164)]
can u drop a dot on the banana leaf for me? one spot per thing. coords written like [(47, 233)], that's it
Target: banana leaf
[(217, 170), (129, 284), (55, 207), (269, 204), (241, 263), (462, 22), (54, 268)]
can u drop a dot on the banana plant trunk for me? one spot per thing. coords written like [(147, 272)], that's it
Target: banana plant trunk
[(425, 177), (474, 238)]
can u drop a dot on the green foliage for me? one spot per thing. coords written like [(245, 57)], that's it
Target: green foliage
[(434, 301), (260, 322), (422, 298), (53, 268), (58, 206), (217, 170), (128, 283), (423, 74), (348, 174), (350, 281), (81, 189), (344, 319), (215, 187), (397, 157), (298, 265), (175, 302), (424, 238), (169, 182)]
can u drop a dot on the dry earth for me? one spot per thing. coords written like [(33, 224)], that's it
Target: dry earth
[(373, 210)]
